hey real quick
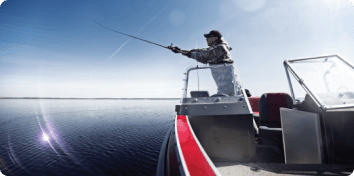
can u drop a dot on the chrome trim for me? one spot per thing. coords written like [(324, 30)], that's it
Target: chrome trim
[(255, 126), (330, 107), (233, 108), (246, 100), (318, 57), (307, 89), (250, 110), (347, 62), (289, 81)]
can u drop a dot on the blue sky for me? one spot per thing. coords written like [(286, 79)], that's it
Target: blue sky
[(54, 48)]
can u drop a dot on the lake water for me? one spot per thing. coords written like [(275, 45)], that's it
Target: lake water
[(83, 137)]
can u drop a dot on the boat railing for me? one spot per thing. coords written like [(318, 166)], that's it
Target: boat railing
[(185, 88)]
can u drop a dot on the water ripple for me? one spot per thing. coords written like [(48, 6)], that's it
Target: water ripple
[(86, 137)]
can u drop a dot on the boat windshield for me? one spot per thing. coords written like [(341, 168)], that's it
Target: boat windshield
[(329, 78)]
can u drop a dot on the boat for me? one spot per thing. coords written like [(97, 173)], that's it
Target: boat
[(274, 134)]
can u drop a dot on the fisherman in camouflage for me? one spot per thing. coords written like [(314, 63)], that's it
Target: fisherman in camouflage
[(218, 53)]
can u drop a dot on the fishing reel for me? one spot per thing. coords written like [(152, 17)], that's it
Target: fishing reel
[(174, 49)]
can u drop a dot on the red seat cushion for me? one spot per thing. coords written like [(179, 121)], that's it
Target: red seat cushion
[(254, 103), (274, 102)]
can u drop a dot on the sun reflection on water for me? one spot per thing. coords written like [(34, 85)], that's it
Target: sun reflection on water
[(45, 137)]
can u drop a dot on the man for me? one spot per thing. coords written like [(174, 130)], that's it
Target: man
[(218, 53)]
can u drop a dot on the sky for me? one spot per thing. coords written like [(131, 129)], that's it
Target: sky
[(55, 49)]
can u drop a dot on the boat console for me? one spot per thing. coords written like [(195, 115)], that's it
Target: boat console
[(215, 134)]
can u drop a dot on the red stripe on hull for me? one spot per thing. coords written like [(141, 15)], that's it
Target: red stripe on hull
[(194, 158)]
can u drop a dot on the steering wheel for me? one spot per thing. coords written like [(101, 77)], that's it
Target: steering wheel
[(347, 94), (342, 87), (341, 93), (220, 95)]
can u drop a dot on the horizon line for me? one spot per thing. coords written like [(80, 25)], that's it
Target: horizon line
[(75, 98)]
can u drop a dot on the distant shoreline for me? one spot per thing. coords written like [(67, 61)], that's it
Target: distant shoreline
[(90, 98)]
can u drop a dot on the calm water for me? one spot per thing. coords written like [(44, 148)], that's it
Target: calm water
[(85, 137)]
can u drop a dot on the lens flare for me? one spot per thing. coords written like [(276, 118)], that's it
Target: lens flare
[(45, 137)]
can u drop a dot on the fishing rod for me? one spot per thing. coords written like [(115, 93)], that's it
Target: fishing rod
[(171, 47)]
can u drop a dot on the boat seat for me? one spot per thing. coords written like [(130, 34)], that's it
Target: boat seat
[(269, 104), (269, 114), (195, 94)]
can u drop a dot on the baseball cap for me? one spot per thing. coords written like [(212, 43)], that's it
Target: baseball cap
[(213, 33)]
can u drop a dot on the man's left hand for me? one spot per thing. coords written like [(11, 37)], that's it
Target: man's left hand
[(176, 50)]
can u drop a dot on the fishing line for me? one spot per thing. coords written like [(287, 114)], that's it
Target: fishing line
[(131, 36)]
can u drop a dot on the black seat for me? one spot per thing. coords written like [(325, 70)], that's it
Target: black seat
[(195, 94)]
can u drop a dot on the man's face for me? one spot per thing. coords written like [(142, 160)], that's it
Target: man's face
[(211, 40)]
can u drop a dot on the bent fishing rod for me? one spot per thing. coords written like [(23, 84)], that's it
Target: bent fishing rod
[(167, 47)]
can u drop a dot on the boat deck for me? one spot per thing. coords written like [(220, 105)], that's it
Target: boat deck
[(268, 169), (270, 162)]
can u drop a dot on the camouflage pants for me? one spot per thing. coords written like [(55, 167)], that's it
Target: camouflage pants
[(224, 78)]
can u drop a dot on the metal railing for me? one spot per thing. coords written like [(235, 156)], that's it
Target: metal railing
[(184, 95)]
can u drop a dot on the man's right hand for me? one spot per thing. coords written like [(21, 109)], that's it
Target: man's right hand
[(176, 50)]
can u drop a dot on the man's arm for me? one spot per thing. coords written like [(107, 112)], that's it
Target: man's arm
[(183, 52), (209, 55), (205, 55)]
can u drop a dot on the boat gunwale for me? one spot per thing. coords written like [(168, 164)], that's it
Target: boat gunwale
[(195, 139)]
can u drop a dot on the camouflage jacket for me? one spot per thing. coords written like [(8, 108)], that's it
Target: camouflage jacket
[(219, 53)]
